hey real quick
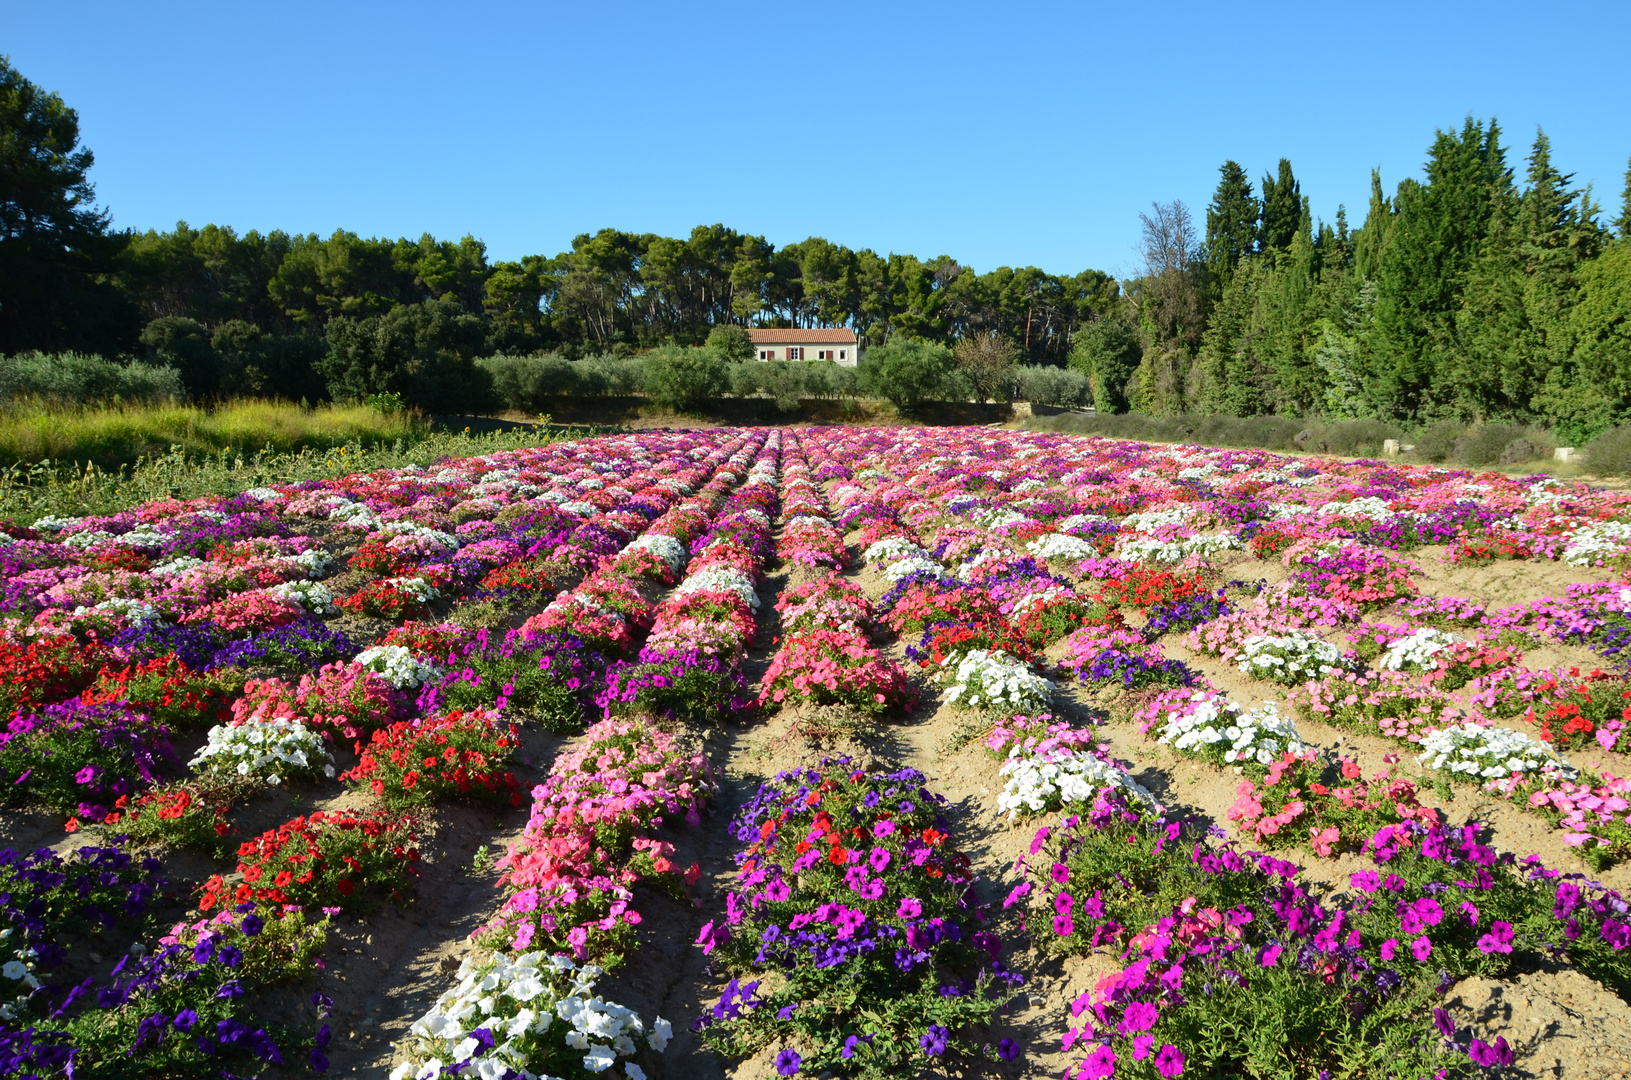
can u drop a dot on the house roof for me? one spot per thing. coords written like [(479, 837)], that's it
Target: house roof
[(802, 337)]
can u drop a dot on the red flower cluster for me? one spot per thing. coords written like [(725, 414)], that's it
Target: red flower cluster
[(459, 755), (322, 859), (46, 669), (1142, 587)]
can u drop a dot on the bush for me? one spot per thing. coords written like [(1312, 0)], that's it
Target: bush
[(1436, 441), (528, 383), (79, 378), (1482, 444), (905, 372), (987, 362), (730, 343), (1060, 387), (684, 380), (609, 376), (1610, 453), (1108, 353), (425, 352)]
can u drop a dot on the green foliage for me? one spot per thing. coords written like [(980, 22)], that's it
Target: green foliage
[(905, 371), (529, 383), (684, 380), (1283, 209), (72, 488), (730, 342), (1601, 321), (79, 378), (425, 352), (57, 249), (114, 436), (1107, 352), (1609, 454), (1231, 224), (1064, 387), (184, 345)]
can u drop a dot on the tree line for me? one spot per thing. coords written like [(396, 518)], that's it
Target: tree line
[(1467, 294)]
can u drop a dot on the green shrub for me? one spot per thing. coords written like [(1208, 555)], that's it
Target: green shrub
[(1061, 387), (608, 375), (1609, 454), (905, 372), (528, 383), (1108, 352), (684, 380), (1436, 442), (79, 378), (730, 343), (425, 352)]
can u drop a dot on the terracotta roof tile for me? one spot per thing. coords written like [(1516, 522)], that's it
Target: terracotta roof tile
[(801, 337)]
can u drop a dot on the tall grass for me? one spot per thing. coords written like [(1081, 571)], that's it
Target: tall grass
[(110, 436), (28, 492)]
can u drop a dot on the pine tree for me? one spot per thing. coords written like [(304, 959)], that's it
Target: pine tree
[(1282, 208), (1231, 225)]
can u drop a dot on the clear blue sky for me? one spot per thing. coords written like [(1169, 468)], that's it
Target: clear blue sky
[(1015, 133)]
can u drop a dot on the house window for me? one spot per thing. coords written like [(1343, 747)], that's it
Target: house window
[(795, 353), (843, 354), (767, 354)]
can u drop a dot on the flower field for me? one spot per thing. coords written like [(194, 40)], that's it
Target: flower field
[(823, 752)]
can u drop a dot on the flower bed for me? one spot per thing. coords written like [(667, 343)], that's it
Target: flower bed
[(848, 891)]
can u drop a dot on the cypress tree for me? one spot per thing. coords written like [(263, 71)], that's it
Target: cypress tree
[(1231, 225), (1437, 231), (1282, 209)]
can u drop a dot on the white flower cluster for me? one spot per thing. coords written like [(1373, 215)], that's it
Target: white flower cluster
[(1166, 518), (901, 568), (1150, 549), (724, 579), (315, 562), (665, 547), (1041, 596), (136, 612), (1489, 753), (1369, 506), (263, 494), (580, 508), (1597, 543), (266, 750), (981, 679), (352, 516), (1035, 784), (997, 517), (1219, 728), (399, 666), (176, 566), (313, 597), (1290, 658), (893, 549), (446, 541), (1416, 652), (53, 523), (539, 1013), (416, 587), (1060, 546)]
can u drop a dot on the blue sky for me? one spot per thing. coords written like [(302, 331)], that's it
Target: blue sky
[(999, 134)]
